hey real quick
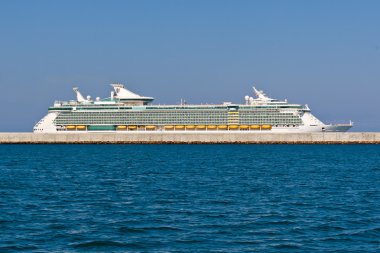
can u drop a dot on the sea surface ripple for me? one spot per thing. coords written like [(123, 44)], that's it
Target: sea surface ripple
[(189, 198)]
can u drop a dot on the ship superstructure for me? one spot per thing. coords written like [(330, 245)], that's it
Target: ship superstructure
[(126, 111)]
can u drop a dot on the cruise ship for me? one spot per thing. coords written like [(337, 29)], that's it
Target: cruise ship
[(125, 111)]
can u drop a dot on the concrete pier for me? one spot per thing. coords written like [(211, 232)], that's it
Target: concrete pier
[(190, 138)]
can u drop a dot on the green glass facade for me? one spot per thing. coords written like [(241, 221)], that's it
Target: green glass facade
[(177, 115)]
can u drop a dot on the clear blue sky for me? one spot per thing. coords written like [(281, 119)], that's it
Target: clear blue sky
[(323, 53)]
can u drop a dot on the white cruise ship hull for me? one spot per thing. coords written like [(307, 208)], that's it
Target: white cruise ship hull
[(126, 112)]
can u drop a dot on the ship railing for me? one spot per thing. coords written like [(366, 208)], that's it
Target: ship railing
[(62, 103)]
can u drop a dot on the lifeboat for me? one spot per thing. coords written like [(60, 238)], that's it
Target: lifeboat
[(222, 127), (70, 127), (81, 127), (211, 127), (244, 127), (150, 127), (190, 127), (169, 127), (179, 127), (266, 127), (121, 127), (201, 127), (132, 127), (255, 127), (233, 127)]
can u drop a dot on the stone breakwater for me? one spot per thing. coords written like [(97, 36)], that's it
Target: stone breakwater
[(190, 138)]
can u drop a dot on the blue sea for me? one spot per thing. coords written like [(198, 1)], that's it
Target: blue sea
[(189, 198)]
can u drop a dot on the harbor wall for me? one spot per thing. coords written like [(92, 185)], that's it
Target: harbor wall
[(190, 138)]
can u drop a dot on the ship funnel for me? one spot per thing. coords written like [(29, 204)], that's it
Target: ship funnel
[(261, 95), (80, 98), (127, 96)]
